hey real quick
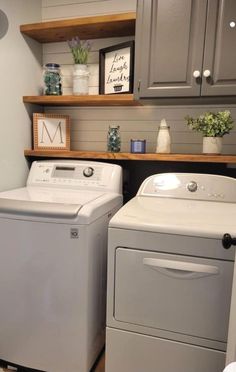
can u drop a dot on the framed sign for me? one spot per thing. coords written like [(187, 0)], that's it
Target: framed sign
[(116, 68), (51, 132)]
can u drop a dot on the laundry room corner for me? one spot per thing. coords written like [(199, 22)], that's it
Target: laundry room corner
[(117, 222), (20, 72)]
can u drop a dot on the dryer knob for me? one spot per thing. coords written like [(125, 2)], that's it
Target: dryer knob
[(192, 186), (88, 172), (227, 241)]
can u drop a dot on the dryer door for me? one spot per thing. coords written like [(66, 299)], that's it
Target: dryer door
[(180, 294)]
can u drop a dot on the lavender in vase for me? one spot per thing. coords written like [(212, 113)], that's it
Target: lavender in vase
[(80, 51)]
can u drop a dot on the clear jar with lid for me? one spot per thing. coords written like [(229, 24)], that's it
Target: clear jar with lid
[(113, 138), (52, 79)]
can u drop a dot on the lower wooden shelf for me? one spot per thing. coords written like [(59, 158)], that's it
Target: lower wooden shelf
[(130, 156)]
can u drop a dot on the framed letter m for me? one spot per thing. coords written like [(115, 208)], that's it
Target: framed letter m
[(51, 132)]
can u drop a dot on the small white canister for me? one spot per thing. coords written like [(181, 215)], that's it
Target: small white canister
[(163, 138)]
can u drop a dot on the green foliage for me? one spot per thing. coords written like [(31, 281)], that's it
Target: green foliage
[(79, 49), (211, 124)]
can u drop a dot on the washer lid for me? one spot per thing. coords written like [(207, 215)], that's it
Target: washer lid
[(177, 216), (39, 209), (45, 202)]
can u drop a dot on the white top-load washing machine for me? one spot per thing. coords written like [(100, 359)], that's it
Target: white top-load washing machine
[(170, 275), (53, 245)]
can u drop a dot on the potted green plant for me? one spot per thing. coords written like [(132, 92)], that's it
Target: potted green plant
[(213, 126), (80, 52)]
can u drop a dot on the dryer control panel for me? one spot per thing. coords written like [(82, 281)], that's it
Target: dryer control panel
[(76, 174), (190, 186)]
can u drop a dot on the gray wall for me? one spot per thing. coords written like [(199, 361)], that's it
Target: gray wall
[(20, 74), (90, 125)]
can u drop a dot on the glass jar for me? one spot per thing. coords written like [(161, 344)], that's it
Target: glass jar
[(52, 79), (113, 138)]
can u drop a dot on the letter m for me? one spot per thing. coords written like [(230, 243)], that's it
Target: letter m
[(51, 136)]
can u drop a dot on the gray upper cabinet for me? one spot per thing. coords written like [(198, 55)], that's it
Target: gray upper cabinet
[(185, 48), (220, 49)]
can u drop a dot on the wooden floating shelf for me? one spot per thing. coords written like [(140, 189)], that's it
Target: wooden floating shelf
[(130, 156), (86, 100), (113, 25)]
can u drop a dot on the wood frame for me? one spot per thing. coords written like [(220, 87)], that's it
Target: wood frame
[(116, 64), (51, 132)]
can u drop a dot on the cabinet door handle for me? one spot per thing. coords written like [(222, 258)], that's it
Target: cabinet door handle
[(207, 73), (196, 74), (139, 85)]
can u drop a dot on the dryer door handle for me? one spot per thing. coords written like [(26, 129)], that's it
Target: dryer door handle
[(227, 241), (181, 269)]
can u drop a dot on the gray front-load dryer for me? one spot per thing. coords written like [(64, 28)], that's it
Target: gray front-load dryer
[(169, 276)]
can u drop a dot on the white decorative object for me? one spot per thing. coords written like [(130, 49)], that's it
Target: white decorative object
[(80, 79), (231, 367), (212, 145), (163, 138)]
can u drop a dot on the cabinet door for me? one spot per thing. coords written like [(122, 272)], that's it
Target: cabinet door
[(220, 49), (169, 47)]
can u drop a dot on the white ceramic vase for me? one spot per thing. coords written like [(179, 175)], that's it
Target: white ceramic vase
[(231, 367), (163, 138), (212, 145), (80, 79)]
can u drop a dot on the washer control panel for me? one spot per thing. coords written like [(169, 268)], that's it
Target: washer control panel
[(75, 174), (190, 186)]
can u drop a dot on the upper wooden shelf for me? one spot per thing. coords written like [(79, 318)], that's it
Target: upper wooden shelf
[(97, 27), (130, 156), (86, 100)]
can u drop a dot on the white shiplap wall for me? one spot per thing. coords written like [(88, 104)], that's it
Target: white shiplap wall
[(90, 125), (58, 9)]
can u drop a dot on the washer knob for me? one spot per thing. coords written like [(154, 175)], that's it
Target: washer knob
[(88, 172), (192, 186)]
